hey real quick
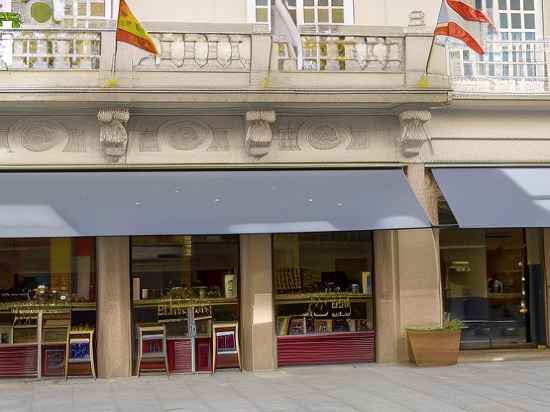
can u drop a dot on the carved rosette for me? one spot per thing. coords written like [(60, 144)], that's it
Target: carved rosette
[(185, 135), (37, 135), (321, 135), (113, 136), (259, 134), (413, 133)]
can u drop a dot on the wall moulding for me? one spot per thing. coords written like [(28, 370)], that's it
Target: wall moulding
[(37, 135)]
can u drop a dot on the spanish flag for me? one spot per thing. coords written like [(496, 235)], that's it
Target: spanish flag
[(129, 30)]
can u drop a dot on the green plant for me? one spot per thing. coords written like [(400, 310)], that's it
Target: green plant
[(454, 325)]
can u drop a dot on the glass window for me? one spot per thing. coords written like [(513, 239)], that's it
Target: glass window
[(503, 21), (515, 4), (262, 11), (486, 285), (502, 5), (185, 283), (324, 12), (529, 21), (86, 13), (323, 282), (528, 4), (52, 279), (516, 21)]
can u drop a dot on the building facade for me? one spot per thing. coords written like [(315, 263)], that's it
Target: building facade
[(276, 188)]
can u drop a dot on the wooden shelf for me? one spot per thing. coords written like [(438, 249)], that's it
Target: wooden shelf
[(153, 303), (46, 307), (312, 297), (504, 296)]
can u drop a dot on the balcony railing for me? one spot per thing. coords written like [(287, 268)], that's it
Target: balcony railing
[(199, 52), (49, 50), (341, 53), (506, 68)]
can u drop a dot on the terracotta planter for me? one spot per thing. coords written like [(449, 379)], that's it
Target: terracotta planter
[(438, 347)]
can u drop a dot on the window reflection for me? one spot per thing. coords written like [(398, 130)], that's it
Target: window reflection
[(323, 282)]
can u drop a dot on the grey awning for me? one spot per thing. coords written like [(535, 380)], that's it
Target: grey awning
[(497, 197), (142, 203)]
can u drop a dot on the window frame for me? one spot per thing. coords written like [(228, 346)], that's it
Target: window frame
[(349, 15), (76, 19)]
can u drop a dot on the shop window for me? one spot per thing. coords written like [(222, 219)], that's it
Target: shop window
[(488, 285), (185, 285), (46, 285), (324, 290)]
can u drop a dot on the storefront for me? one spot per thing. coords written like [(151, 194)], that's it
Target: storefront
[(324, 297), (47, 307), (171, 276), (185, 297), (493, 268), (491, 282)]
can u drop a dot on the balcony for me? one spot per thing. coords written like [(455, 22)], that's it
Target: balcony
[(49, 50), (508, 68), (356, 62)]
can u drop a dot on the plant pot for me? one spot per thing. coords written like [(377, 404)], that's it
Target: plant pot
[(438, 347)]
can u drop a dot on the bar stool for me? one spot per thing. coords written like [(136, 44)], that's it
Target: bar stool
[(148, 335)]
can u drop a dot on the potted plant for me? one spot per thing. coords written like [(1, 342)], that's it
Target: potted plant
[(435, 346)]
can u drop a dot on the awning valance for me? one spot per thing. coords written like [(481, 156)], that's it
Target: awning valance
[(205, 202), (497, 197)]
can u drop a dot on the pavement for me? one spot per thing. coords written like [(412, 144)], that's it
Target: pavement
[(497, 386)]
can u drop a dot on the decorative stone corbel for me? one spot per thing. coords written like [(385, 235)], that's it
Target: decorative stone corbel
[(113, 136), (413, 133), (259, 134)]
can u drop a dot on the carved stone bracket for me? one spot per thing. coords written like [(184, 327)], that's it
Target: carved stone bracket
[(259, 134), (413, 132), (113, 136)]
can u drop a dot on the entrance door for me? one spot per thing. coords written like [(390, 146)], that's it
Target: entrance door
[(490, 286)]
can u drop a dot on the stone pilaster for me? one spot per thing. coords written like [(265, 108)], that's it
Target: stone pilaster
[(114, 327), (257, 316), (386, 295)]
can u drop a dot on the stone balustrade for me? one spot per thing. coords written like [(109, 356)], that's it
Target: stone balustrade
[(198, 52), (506, 68), (341, 53), (50, 50)]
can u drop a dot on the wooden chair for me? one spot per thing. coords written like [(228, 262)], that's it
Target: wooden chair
[(228, 329), (151, 334), (82, 341)]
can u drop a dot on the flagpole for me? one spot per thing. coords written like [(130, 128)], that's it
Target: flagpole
[(430, 56), (433, 42), (113, 68)]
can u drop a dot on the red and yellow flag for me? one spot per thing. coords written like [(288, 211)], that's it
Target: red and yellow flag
[(129, 30)]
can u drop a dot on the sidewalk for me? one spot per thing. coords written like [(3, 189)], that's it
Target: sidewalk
[(503, 386)]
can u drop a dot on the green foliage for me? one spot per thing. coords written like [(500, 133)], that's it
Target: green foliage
[(15, 19), (454, 324)]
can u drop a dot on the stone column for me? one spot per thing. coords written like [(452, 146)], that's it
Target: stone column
[(420, 295), (386, 295), (257, 315), (114, 328)]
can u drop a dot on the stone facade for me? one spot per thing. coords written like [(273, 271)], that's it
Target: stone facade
[(226, 94)]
